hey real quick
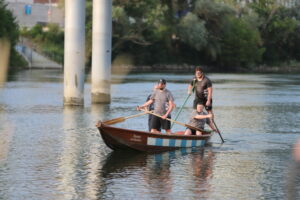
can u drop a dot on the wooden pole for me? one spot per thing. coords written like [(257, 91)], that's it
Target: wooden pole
[(218, 131)]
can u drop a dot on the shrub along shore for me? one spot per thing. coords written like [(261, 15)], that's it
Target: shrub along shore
[(225, 36), (190, 68)]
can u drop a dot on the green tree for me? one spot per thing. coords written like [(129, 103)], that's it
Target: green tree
[(147, 32), (137, 25), (294, 41), (241, 44), (277, 30), (222, 33), (8, 26), (9, 29), (214, 15), (192, 31), (48, 40)]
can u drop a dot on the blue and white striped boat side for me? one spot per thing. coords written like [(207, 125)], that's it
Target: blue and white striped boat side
[(174, 142)]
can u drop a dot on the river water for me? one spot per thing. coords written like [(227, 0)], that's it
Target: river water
[(48, 151)]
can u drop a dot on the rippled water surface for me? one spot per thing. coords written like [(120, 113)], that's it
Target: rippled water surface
[(48, 151)]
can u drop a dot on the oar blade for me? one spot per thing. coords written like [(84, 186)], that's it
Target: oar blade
[(121, 119), (114, 121)]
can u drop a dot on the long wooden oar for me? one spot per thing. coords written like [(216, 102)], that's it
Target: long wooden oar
[(171, 120), (218, 131), (178, 113), (122, 119)]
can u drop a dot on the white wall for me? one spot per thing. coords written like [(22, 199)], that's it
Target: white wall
[(39, 13), (20, 1)]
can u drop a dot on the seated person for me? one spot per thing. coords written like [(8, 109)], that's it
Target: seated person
[(198, 120)]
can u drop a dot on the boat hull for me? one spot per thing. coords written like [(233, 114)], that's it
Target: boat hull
[(119, 138)]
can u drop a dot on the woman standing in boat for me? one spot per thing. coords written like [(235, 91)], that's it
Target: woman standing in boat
[(163, 105)]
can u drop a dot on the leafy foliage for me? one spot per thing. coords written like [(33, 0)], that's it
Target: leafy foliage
[(9, 29), (193, 32), (214, 15), (241, 44), (49, 40), (222, 33), (278, 30), (8, 25)]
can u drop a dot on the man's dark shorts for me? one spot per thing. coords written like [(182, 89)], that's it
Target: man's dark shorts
[(202, 102), (157, 123), (193, 131), (150, 121)]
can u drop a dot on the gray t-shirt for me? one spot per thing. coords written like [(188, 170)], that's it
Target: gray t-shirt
[(161, 99), (198, 123)]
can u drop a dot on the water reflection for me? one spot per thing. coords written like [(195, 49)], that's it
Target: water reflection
[(202, 164), (155, 174), (293, 175), (80, 160), (100, 112), (158, 176), (117, 167), (6, 134), (51, 152), (70, 152)]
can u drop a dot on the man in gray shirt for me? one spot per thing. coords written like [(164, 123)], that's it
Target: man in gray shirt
[(198, 120), (163, 105)]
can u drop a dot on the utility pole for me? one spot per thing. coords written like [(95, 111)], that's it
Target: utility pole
[(101, 51), (74, 58)]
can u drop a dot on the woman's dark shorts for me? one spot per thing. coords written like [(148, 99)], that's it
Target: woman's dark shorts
[(157, 123), (202, 102)]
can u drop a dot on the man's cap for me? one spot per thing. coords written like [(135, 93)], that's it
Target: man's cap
[(163, 81)]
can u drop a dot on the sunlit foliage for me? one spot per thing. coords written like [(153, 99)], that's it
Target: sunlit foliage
[(225, 34)]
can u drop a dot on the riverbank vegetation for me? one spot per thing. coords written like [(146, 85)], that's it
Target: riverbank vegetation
[(9, 31), (48, 40), (225, 35)]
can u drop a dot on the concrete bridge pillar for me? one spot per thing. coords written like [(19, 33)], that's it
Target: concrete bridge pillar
[(101, 55), (4, 59), (74, 58)]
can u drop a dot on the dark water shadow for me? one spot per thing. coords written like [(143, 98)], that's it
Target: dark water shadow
[(155, 172), (118, 161)]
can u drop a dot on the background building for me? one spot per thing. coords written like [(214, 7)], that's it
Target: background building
[(31, 12)]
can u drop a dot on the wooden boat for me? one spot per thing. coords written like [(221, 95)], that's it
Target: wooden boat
[(119, 138)]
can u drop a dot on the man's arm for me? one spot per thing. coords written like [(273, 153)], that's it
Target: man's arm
[(147, 103), (190, 89), (209, 96), (203, 116), (191, 86), (171, 106)]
